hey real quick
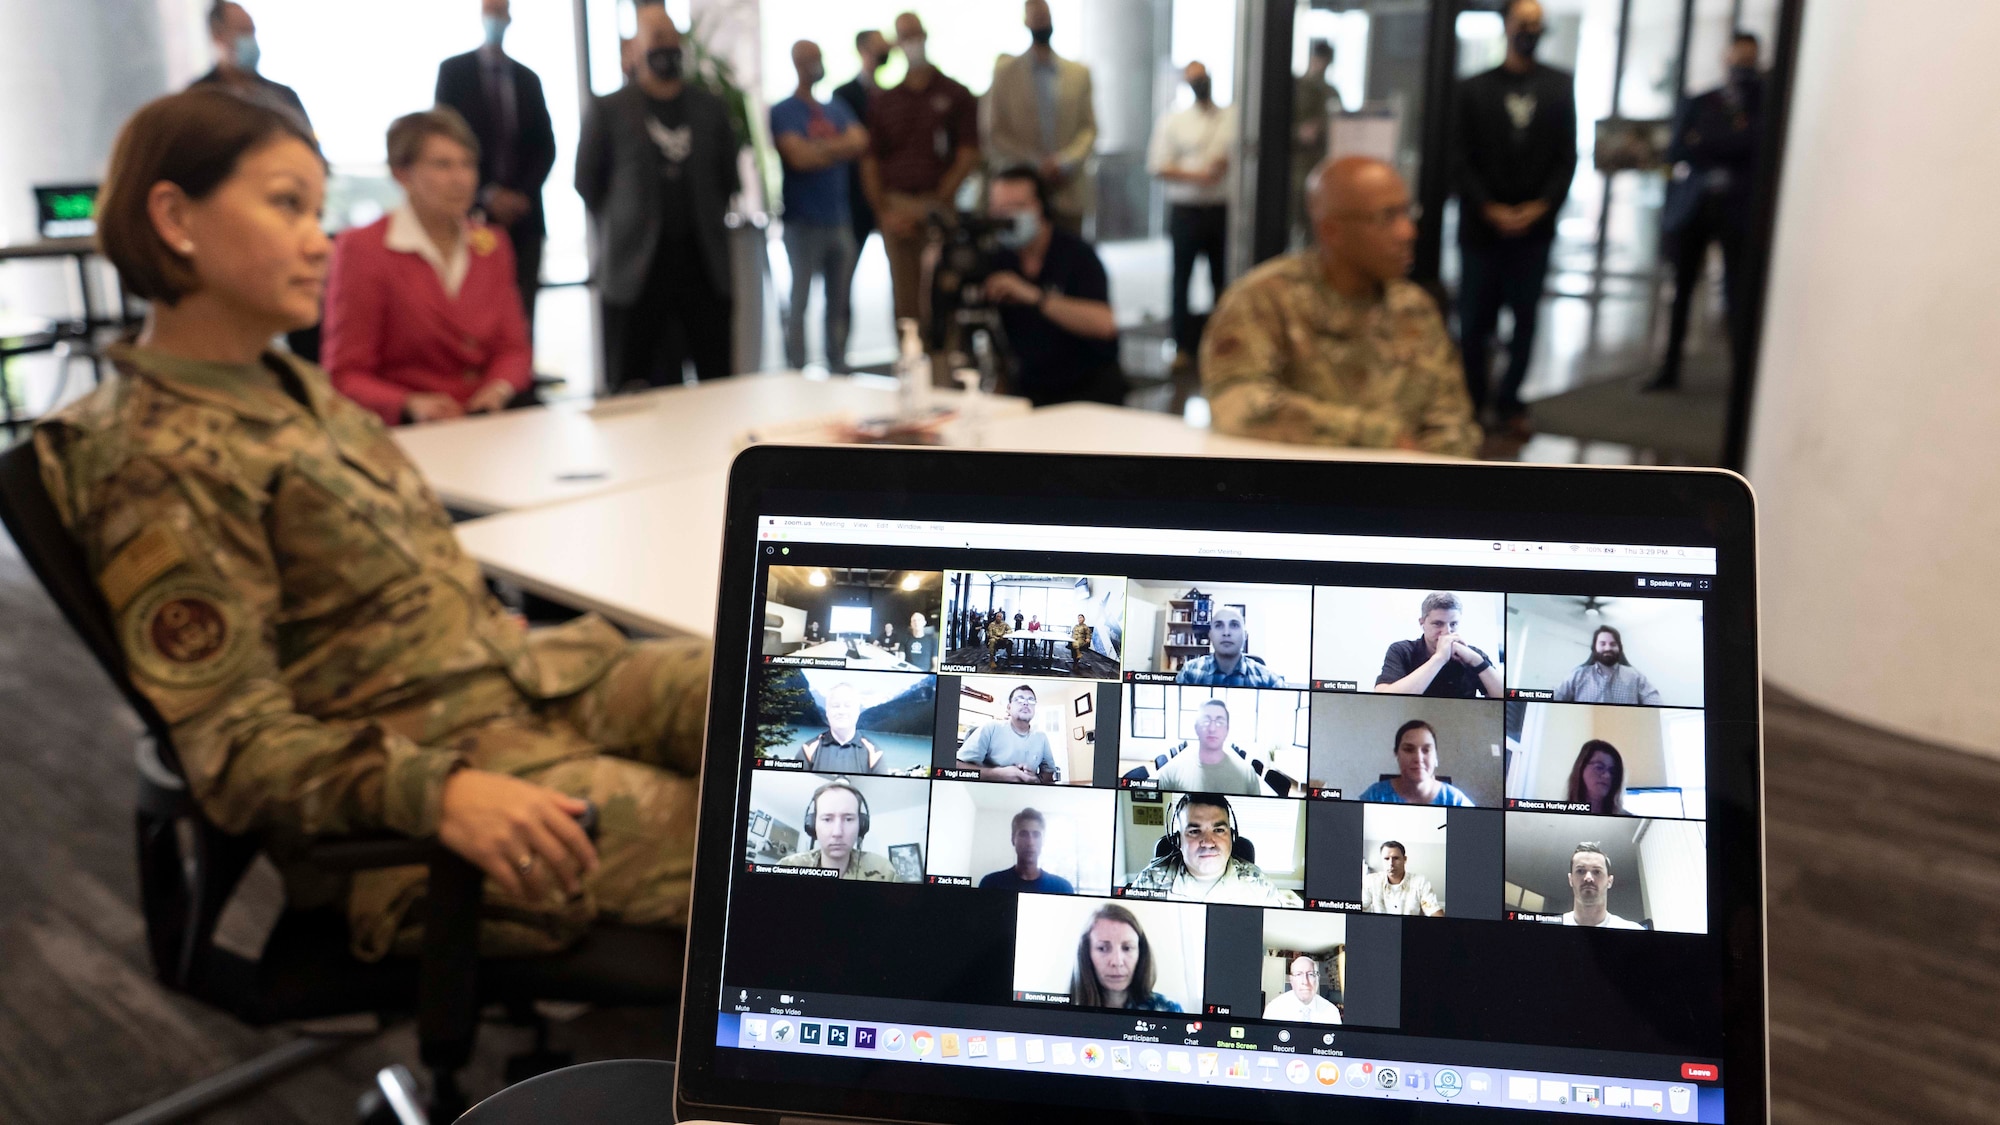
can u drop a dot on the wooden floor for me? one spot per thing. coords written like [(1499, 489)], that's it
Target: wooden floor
[(1885, 923)]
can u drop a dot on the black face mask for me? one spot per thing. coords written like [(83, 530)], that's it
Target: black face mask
[(1041, 35), (664, 62), (1526, 40), (1202, 87), (1743, 76)]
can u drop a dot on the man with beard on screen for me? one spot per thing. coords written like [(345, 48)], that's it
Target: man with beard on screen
[(1607, 677)]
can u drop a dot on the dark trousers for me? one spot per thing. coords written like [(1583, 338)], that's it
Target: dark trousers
[(677, 318), (527, 270), (1198, 231), (1509, 273), (1711, 222)]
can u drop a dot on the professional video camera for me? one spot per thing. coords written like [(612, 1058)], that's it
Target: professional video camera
[(964, 326)]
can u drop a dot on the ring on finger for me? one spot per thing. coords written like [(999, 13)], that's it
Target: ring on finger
[(525, 864)]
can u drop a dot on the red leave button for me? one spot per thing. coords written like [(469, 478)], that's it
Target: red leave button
[(1701, 1072)]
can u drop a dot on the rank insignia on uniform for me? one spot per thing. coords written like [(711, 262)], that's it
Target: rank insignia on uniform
[(184, 635)]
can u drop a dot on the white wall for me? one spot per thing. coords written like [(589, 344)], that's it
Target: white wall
[(1873, 447)]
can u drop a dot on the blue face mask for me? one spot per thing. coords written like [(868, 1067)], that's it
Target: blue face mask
[(496, 29), (247, 53), (1026, 226)]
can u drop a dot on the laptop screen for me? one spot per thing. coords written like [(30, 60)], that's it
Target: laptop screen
[(1169, 812), (66, 210)]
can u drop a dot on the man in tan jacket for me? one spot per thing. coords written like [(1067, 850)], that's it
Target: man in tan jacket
[(1038, 112)]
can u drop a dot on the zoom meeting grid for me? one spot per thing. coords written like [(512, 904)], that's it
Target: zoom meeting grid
[(1217, 796)]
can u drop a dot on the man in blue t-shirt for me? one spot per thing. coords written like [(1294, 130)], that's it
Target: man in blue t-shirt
[(1027, 873), (817, 143)]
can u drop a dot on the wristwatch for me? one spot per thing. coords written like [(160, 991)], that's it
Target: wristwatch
[(1483, 667)]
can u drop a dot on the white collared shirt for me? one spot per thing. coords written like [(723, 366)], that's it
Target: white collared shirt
[(1190, 140), (406, 235), (1411, 896)]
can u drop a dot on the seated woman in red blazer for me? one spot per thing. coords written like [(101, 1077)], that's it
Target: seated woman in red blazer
[(423, 320)]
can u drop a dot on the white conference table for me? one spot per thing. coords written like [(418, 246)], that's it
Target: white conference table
[(529, 458), (648, 557)]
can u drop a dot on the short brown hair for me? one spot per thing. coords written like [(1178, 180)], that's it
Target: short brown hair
[(408, 133), (193, 140)]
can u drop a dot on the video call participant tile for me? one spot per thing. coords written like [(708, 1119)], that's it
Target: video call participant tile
[(833, 720), (1587, 649), (1241, 741), (855, 618), (1413, 750), (1620, 873), (1439, 643), (1009, 838), (1033, 624), (1411, 861), (869, 828), (1025, 730), (1210, 847), (1224, 635), (1612, 761), (1099, 953)]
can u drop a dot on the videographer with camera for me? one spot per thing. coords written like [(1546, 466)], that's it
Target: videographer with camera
[(1053, 298)]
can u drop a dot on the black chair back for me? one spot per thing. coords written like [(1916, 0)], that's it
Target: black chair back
[(181, 900), (57, 560)]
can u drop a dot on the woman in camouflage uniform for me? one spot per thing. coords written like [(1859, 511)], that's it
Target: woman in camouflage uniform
[(290, 596)]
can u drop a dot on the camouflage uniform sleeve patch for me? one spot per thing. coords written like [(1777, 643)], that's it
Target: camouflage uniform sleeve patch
[(186, 636), (150, 554)]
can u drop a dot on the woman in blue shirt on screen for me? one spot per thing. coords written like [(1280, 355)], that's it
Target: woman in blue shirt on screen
[(1416, 780), (1114, 965)]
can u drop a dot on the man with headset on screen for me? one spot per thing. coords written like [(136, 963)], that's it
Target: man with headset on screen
[(1202, 866), (1590, 890), (1227, 663), (1606, 676), (1301, 1002), (1396, 889), (836, 823)]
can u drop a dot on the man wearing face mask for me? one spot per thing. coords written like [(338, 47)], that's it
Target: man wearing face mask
[(1054, 299), (858, 95), (818, 143), (656, 165), (1189, 154), (502, 101), (923, 141), (1516, 157), (1715, 145), (233, 34), (1039, 113)]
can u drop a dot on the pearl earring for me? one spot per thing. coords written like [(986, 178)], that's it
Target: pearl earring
[(187, 246)]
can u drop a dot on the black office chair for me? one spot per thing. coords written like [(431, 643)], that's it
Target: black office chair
[(306, 970)]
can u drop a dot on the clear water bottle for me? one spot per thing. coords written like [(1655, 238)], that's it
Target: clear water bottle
[(913, 372)]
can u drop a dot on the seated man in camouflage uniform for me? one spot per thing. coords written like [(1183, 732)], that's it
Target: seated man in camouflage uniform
[(1201, 868), (291, 598), (1331, 345)]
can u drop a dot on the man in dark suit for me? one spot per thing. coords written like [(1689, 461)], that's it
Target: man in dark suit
[(1516, 157), (502, 101), (656, 165), (857, 95), (1717, 137), (233, 34)]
